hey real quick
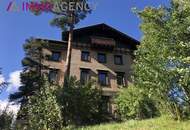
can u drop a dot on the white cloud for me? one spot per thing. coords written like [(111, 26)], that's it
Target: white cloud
[(14, 81), (10, 106)]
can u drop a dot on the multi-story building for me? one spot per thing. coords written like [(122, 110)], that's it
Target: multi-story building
[(99, 52)]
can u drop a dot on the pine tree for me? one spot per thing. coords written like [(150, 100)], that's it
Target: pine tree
[(32, 66), (66, 19), (5, 119), (3, 84)]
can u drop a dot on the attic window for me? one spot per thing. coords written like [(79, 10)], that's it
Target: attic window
[(102, 41)]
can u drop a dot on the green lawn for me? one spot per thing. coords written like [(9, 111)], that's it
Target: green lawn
[(162, 123)]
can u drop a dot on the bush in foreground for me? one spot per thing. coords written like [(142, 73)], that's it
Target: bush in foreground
[(132, 103), (5, 120), (80, 103), (42, 110)]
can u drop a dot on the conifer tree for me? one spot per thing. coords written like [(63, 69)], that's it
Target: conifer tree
[(32, 66), (66, 17), (3, 84)]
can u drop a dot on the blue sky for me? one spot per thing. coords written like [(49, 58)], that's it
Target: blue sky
[(15, 27)]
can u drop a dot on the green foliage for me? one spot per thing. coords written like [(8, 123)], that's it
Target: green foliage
[(30, 83), (133, 103), (63, 18), (80, 103), (3, 84), (31, 75), (5, 120), (5, 116), (163, 58), (43, 112)]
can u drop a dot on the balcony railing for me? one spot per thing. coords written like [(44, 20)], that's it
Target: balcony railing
[(102, 41)]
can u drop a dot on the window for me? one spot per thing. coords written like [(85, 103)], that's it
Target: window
[(120, 78), (84, 76), (53, 75), (105, 105), (118, 59), (85, 56), (101, 57), (56, 56), (103, 78)]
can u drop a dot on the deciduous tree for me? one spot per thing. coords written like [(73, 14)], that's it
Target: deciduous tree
[(43, 111), (162, 65)]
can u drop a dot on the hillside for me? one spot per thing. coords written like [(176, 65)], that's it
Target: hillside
[(161, 123)]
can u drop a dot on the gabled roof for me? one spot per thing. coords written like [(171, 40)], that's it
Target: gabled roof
[(104, 28)]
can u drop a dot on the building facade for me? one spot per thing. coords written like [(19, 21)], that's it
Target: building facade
[(99, 52)]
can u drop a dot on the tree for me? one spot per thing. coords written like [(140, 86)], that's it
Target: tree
[(162, 63), (80, 103), (3, 84), (31, 77), (5, 119), (134, 103), (32, 67), (43, 112), (66, 19), (5, 116)]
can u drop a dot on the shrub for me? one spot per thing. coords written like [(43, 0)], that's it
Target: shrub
[(133, 103), (80, 103), (42, 110), (5, 120)]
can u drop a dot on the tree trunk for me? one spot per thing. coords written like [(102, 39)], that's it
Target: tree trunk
[(69, 49)]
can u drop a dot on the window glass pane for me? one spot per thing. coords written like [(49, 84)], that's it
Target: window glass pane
[(55, 56), (105, 104), (121, 78), (85, 56), (103, 78), (118, 60), (53, 74), (85, 76), (102, 58)]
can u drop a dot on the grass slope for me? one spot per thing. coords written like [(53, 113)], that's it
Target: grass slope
[(161, 123)]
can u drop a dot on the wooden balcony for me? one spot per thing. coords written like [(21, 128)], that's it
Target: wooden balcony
[(102, 42)]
